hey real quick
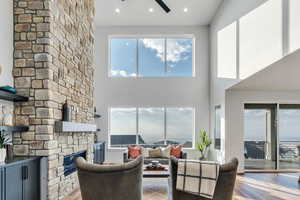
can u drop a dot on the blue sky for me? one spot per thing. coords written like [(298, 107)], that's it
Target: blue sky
[(152, 56)]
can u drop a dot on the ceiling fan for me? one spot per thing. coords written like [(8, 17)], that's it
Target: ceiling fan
[(162, 4)]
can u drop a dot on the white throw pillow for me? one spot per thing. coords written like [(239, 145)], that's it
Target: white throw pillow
[(145, 152), (166, 152)]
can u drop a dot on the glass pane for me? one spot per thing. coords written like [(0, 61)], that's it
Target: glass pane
[(260, 38), (227, 52), (294, 25), (151, 126), (180, 57), (260, 151), (151, 57), (289, 139), (123, 57), (218, 127), (180, 126), (123, 126)]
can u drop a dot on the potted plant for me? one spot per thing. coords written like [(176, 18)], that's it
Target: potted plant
[(2, 147), (203, 143)]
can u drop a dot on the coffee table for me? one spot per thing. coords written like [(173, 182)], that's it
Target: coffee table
[(156, 173)]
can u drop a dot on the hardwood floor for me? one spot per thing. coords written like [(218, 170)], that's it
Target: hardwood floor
[(248, 187)]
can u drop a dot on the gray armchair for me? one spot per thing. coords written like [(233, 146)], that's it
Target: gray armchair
[(110, 182), (224, 187)]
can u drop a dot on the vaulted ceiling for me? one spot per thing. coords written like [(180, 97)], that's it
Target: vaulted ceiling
[(148, 12)]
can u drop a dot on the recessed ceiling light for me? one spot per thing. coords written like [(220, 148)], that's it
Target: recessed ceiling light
[(117, 10), (185, 10), (151, 9)]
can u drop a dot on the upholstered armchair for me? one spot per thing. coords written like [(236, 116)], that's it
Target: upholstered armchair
[(110, 182), (224, 187)]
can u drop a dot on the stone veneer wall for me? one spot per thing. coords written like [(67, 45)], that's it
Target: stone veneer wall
[(53, 62)]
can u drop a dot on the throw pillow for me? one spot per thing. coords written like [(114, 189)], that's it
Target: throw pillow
[(176, 151), (134, 152), (166, 152), (155, 153), (145, 152)]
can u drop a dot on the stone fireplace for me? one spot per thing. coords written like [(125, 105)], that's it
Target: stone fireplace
[(53, 62)]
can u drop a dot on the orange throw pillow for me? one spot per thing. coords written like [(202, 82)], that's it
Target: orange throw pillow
[(176, 151), (134, 152)]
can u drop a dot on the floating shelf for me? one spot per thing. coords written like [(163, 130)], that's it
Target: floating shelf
[(63, 126), (14, 128), (12, 97)]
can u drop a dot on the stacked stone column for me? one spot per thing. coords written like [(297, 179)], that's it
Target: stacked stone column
[(53, 62)]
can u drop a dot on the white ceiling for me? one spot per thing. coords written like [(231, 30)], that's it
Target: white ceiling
[(135, 12)]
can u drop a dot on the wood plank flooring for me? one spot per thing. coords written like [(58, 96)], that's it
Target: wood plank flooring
[(248, 187)]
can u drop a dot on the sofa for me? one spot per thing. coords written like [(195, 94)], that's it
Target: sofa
[(147, 160), (224, 187), (110, 182)]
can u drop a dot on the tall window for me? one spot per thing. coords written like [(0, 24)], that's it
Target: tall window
[(151, 57), (151, 126), (294, 25), (255, 40), (227, 39), (260, 38), (218, 127), (289, 137)]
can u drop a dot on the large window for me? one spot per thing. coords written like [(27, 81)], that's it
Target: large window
[(260, 38), (151, 57), (294, 25), (257, 39), (227, 51), (123, 57), (151, 126)]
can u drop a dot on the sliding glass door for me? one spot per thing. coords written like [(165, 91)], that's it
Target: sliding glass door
[(289, 136), (260, 136)]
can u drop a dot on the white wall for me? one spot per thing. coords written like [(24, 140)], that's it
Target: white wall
[(156, 92), (6, 41)]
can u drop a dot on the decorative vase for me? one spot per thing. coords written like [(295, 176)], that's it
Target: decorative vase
[(7, 111), (2, 155), (203, 155)]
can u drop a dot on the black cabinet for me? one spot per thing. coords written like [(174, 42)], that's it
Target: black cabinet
[(13, 182), (31, 180), (20, 180)]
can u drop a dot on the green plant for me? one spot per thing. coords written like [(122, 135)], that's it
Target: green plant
[(203, 142)]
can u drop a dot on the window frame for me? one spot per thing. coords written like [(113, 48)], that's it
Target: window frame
[(137, 124), (138, 37)]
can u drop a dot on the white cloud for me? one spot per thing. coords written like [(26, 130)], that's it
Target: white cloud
[(176, 50), (121, 73)]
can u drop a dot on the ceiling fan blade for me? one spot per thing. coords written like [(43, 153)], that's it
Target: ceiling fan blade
[(163, 5)]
